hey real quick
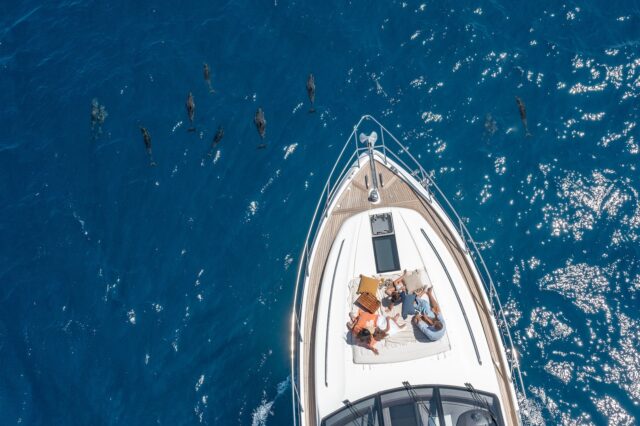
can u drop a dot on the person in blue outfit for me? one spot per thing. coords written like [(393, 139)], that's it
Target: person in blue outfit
[(428, 317)]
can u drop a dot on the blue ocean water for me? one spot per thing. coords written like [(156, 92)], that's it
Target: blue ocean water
[(139, 295)]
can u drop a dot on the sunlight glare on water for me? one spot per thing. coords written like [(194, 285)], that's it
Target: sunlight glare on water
[(135, 295)]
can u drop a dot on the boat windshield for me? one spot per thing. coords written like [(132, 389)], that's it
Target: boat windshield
[(418, 406)]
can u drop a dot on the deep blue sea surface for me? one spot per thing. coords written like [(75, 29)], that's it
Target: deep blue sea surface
[(137, 295)]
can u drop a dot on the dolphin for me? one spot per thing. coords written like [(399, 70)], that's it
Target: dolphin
[(490, 125), (218, 136), (311, 91), (216, 139), (191, 110), (146, 138), (262, 146), (523, 116), (207, 77), (261, 123), (98, 116)]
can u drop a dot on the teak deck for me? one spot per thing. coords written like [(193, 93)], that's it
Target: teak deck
[(395, 193)]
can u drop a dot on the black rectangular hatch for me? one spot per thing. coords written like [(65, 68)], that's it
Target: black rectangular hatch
[(385, 249)]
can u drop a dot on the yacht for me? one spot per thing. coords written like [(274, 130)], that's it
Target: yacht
[(382, 226)]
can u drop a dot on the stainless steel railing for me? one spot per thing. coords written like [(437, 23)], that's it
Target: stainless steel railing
[(402, 157)]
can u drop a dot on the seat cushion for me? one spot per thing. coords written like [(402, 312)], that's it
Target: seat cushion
[(368, 302), (368, 285), (415, 280), (407, 345), (365, 320)]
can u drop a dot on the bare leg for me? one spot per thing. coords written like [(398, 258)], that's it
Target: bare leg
[(432, 301), (395, 319), (354, 319), (426, 319)]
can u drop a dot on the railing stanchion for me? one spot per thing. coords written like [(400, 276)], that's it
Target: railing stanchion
[(306, 263), (295, 389), (326, 201), (298, 328), (384, 146), (465, 246), (355, 139)]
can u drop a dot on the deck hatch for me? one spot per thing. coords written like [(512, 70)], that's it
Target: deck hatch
[(385, 249), (381, 224)]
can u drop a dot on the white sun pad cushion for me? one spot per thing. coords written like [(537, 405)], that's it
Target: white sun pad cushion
[(406, 345)]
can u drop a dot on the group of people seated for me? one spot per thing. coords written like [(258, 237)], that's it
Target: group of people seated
[(369, 328)]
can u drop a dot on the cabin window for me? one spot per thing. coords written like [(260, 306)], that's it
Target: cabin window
[(470, 407), (401, 408), (385, 249), (421, 406), (361, 413)]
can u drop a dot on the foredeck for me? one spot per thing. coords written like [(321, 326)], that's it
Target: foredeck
[(394, 192)]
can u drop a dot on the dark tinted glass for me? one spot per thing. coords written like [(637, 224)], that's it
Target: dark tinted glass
[(403, 415), (421, 406), (386, 253), (401, 407), (466, 408), (363, 413)]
